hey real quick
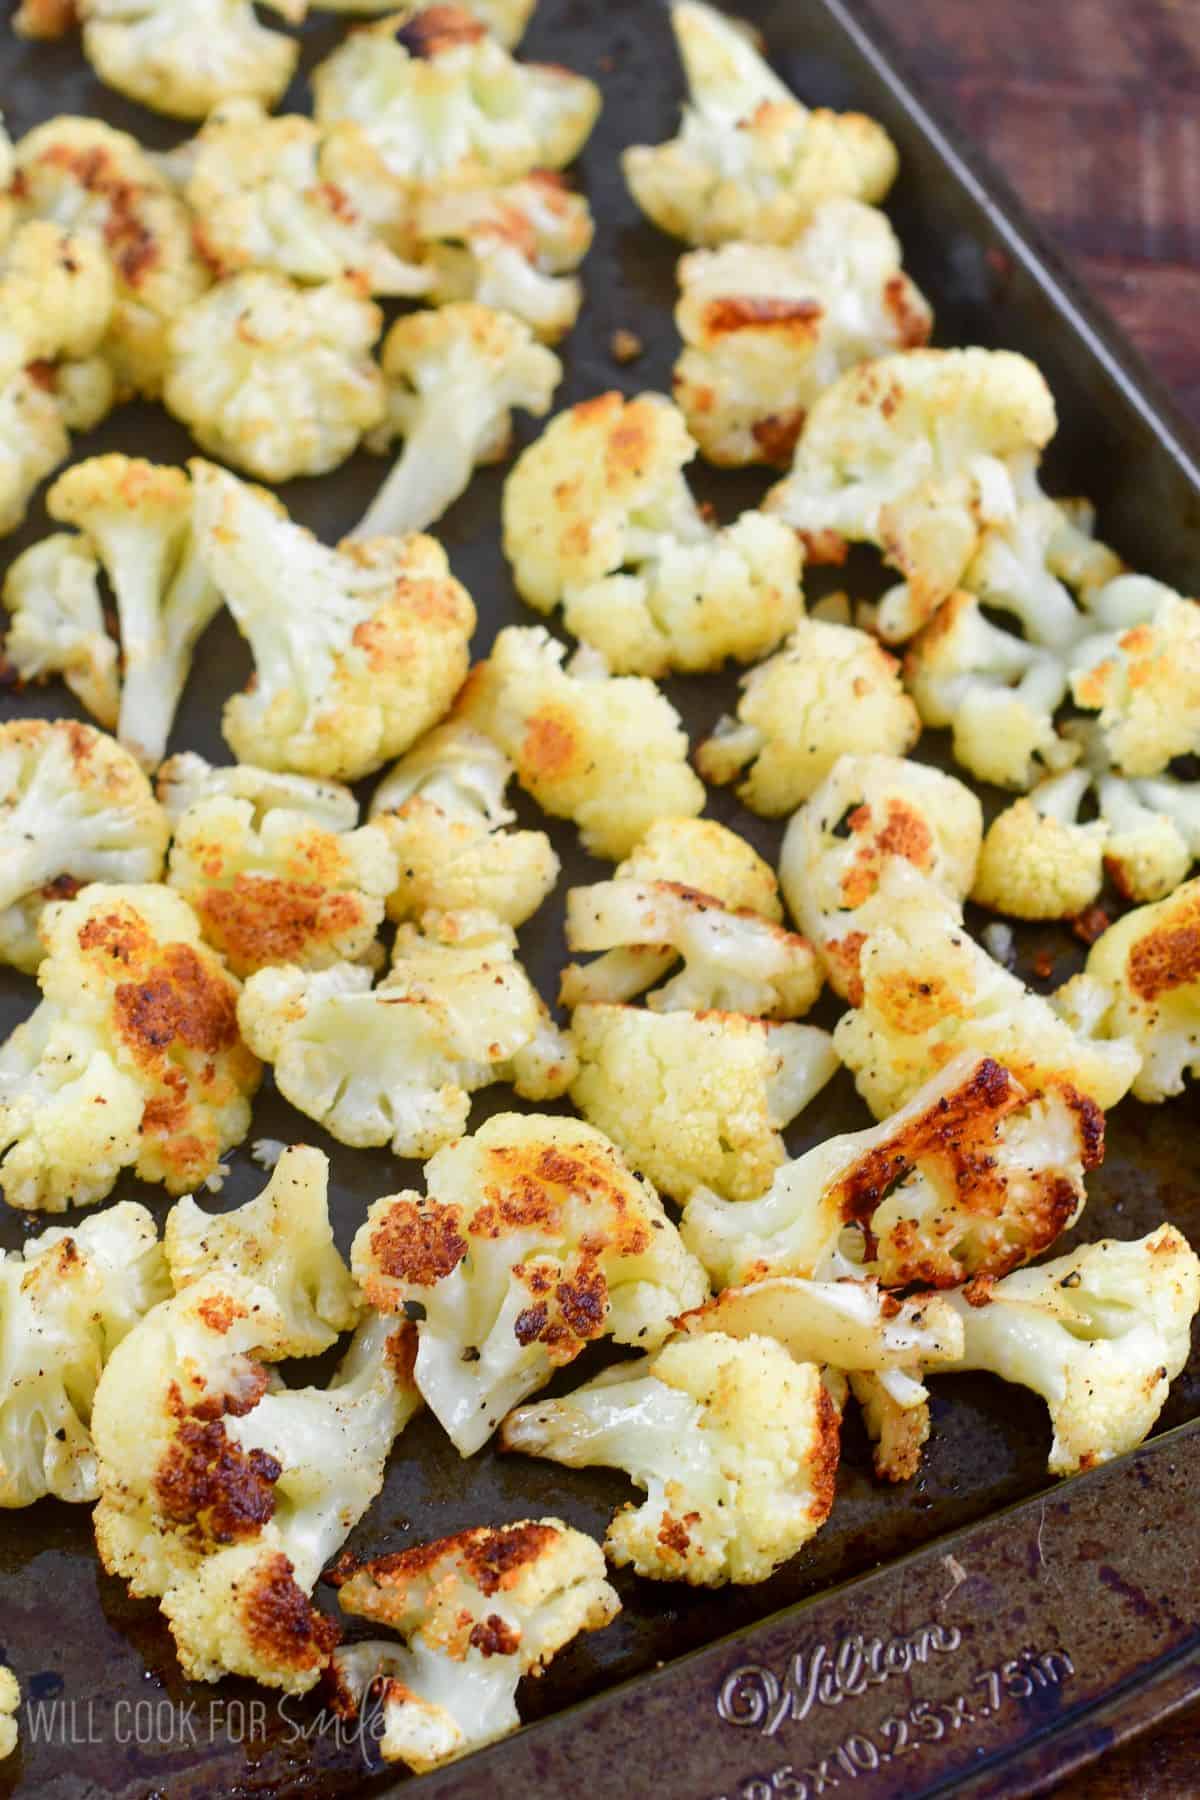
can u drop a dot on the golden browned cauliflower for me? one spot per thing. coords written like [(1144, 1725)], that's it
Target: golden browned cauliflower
[(702, 854), (183, 57)]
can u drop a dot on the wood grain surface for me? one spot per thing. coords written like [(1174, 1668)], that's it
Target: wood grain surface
[(1092, 110)]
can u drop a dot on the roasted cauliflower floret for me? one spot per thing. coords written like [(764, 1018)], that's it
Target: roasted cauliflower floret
[(735, 1442), (831, 691), (533, 1239), (282, 1241), (67, 1298), (74, 808), (34, 439), (1038, 861), (750, 162), (132, 1060), (187, 780), (275, 378), (1043, 567), (917, 454), (443, 812), (608, 752), (443, 102), (475, 1613), (453, 378), (766, 328), (1100, 1334), (56, 295), (184, 57), (1153, 834), (598, 518), (702, 854), (697, 1099), (358, 650), (52, 595), (975, 1175), (869, 812), (1142, 676), (10, 1706)]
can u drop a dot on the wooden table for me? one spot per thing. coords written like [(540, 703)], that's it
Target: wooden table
[(1092, 110)]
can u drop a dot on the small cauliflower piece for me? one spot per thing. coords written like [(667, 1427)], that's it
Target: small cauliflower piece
[(1141, 673), (608, 752), (867, 813), (1100, 1334), (1043, 567), (766, 328), (444, 103), (476, 1613), (282, 1241), (697, 1099), (275, 378), (847, 1324), (67, 1298), (132, 1059), (1037, 861), (598, 518), (702, 854), (453, 378), (975, 1175), (137, 516), (184, 57), (10, 1709), (533, 1240), (442, 809), (1154, 834), (735, 1442), (56, 295), (750, 162), (358, 650), (52, 596), (917, 454), (187, 780), (831, 691), (34, 439), (74, 808)]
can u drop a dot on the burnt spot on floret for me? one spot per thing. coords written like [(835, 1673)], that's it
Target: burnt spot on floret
[(796, 319), (261, 919), (208, 1483), (438, 29), (912, 320), (903, 833), (418, 1241), (494, 1637), (280, 1621), (1168, 956), (826, 1453)]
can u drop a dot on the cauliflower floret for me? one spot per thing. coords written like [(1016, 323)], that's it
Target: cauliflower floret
[(832, 690), (1154, 834), (187, 780), (278, 889), (868, 812), (1141, 673), (917, 454), (697, 1099), (10, 1699), (44, 19), (1043, 567), (734, 1441), (533, 1239), (750, 161), (275, 378), (442, 102), (442, 809), (1099, 1334), (702, 854), (976, 1174), (598, 517), (607, 751), (358, 650), (137, 517), (33, 440), (1037, 861), (133, 1058), (183, 57), (929, 991), (767, 328), (74, 808), (453, 377), (67, 1298), (476, 1612), (56, 295), (505, 19), (398, 1063), (52, 595), (282, 1241)]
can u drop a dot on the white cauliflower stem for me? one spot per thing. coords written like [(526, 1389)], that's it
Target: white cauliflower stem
[(52, 595), (847, 1324), (184, 57)]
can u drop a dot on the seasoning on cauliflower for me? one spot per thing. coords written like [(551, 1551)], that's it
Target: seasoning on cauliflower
[(442, 809), (1100, 1334), (52, 595), (869, 812), (598, 518), (917, 454), (187, 780), (607, 751), (735, 1442), (282, 1241), (358, 650), (928, 991), (832, 690), (184, 57), (750, 162), (766, 328), (275, 378), (533, 1240), (74, 808), (67, 1298), (696, 1099), (702, 854), (398, 1063), (443, 102), (476, 1613), (453, 377), (975, 1175), (132, 1059), (10, 1699), (1141, 673)]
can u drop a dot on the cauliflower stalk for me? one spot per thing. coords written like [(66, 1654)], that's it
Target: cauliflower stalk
[(849, 1324), (56, 623), (184, 57)]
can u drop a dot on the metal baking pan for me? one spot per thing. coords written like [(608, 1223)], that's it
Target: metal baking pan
[(935, 1634)]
